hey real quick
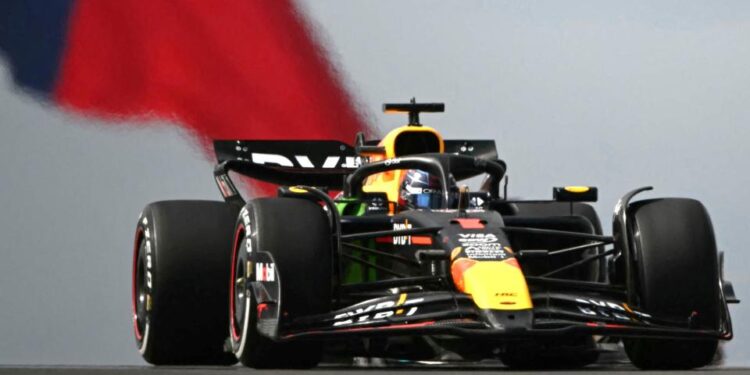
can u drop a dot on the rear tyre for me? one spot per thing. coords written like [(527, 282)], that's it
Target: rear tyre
[(297, 234), (179, 299), (677, 277)]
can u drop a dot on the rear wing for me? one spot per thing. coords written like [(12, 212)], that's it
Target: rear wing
[(320, 163), (480, 148), (304, 156)]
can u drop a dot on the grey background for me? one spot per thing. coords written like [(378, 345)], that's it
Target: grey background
[(611, 94)]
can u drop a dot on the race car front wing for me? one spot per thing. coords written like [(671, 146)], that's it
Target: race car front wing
[(449, 313)]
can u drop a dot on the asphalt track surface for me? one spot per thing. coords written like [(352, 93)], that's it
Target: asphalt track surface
[(482, 368), (608, 363), (29, 370)]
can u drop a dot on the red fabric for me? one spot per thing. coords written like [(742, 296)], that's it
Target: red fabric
[(234, 69)]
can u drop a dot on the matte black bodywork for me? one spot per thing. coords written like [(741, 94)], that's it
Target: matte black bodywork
[(581, 281)]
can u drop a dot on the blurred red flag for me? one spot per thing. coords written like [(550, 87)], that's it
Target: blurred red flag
[(232, 69)]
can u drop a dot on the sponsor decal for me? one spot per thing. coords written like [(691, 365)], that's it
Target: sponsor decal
[(476, 202), (420, 190), (377, 205), (265, 272), (225, 186), (402, 240), (384, 310), (149, 256), (477, 238), (608, 309), (482, 246), (245, 215), (394, 161), (303, 161)]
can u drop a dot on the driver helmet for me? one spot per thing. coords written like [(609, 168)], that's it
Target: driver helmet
[(420, 190)]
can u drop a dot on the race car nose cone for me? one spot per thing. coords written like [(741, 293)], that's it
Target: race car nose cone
[(508, 321), (496, 285)]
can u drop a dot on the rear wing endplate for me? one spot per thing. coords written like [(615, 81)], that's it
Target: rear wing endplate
[(480, 148)]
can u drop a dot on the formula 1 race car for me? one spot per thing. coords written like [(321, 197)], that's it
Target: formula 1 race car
[(404, 263)]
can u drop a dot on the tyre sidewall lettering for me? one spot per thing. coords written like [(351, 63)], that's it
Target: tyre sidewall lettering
[(245, 225), (146, 237)]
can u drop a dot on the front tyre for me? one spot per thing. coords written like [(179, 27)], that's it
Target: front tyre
[(179, 293), (677, 277), (297, 235)]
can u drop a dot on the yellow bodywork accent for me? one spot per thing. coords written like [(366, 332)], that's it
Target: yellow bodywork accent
[(401, 300), (390, 182), (577, 189), (455, 252), (389, 141), (627, 308), (498, 285), (295, 189)]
